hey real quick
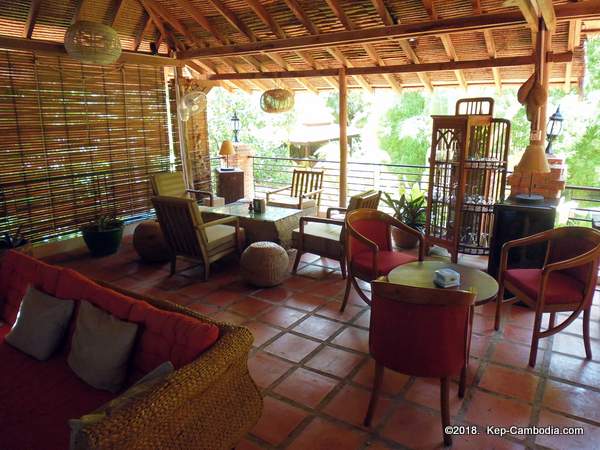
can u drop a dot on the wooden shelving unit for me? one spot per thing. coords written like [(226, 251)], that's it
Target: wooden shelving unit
[(467, 177)]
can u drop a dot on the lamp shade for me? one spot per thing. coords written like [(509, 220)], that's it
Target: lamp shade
[(534, 159), (227, 148)]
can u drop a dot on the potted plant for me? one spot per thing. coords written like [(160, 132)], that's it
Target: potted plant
[(15, 241), (103, 236), (410, 210)]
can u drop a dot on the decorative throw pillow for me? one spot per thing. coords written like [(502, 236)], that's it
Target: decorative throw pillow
[(41, 324), (145, 384), (100, 348)]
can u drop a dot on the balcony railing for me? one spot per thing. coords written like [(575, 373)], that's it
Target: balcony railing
[(579, 202)]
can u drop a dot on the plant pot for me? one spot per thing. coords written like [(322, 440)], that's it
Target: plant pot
[(403, 240), (102, 242)]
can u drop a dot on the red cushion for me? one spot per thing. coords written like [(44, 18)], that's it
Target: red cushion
[(560, 289), (38, 398), (363, 262), (16, 273), (374, 230), (163, 335)]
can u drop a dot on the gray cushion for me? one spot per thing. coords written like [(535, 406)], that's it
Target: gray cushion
[(151, 380), (41, 324), (101, 347)]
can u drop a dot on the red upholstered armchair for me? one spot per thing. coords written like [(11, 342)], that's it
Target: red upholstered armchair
[(565, 283), (369, 252), (420, 332)]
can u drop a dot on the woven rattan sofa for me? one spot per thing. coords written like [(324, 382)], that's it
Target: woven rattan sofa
[(208, 403)]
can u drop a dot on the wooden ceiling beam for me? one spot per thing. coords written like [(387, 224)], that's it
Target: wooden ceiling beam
[(383, 12), (202, 20), (233, 19), (173, 21), (34, 10), (203, 68), (430, 8), (301, 15), (146, 29), (337, 9), (266, 18), (165, 34), (404, 68), (589, 9), (414, 59), (117, 10), (476, 6), (548, 14), (528, 11), (490, 45), (451, 53), (573, 41)]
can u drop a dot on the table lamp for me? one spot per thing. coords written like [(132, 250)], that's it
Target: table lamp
[(226, 150), (533, 161)]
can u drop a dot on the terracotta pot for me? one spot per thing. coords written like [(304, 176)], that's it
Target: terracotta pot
[(403, 240)]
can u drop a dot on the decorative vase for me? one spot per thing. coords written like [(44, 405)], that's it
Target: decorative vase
[(403, 240), (102, 242)]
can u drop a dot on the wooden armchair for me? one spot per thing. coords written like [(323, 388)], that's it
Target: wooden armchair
[(420, 332), (187, 235), (171, 184), (304, 192), (566, 282), (324, 236)]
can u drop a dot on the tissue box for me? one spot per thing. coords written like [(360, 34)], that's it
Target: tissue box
[(446, 278)]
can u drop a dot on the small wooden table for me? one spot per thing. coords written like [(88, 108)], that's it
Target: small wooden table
[(420, 274)]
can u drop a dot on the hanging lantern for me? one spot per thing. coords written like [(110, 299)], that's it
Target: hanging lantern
[(277, 100), (92, 43)]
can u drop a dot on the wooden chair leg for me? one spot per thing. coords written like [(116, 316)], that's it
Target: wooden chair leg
[(343, 268), (173, 265), (206, 271), (586, 332), (297, 261), (462, 382), (347, 292), (445, 406), (499, 299), (552, 320), (535, 338), (374, 394)]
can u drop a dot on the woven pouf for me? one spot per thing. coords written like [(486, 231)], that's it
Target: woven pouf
[(149, 243), (264, 264)]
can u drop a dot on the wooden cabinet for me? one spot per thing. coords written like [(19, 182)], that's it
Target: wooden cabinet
[(230, 184), (467, 177)]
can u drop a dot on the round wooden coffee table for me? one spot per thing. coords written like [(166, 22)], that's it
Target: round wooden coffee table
[(420, 274)]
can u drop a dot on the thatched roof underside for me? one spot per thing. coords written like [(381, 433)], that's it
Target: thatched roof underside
[(221, 22)]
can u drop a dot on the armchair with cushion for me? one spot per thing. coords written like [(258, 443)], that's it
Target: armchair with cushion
[(187, 235), (565, 283), (368, 246), (304, 192), (418, 332), (324, 236), (172, 184)]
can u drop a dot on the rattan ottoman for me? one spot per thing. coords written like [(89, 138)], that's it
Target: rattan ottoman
[(149, 243), (264, 264)]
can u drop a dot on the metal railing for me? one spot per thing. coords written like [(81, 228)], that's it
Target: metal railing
[(273, 172)]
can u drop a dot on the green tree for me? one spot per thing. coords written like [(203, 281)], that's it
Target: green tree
[(359, 106), (584, 162)]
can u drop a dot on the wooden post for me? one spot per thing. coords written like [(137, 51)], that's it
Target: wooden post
[(181, 128), (538, 125), (343, 89)]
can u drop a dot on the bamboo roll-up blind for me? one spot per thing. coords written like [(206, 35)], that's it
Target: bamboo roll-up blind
[(77, 141)]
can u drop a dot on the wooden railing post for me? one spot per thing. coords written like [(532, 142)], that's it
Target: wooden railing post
[(343, 105)]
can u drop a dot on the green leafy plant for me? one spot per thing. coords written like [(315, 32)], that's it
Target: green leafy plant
[(105, 223), (409, 208), (13, 240)]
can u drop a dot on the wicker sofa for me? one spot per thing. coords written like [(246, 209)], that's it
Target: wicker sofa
[(209, 402)]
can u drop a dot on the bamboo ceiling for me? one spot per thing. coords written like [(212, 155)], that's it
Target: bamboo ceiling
[(192, 26)]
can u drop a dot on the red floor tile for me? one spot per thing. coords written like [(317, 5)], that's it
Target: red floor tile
[(314, 272), (329, 288), (202, 308), (513, 354), (278, 421), (572, 400), (265, 368), (573, 345), (353, 338), (305, 301), (414, 427), (229, 317), (261, 332), (282, 316), (274, 294), (589, 440), (393, 382), (334, 361), (324, 435), (298, 283), (489, 409), (483, 325), (247, 445), (222, 298), (479, 345), (292, 347), (514, 383), (332, 311), (576, 370), (249, 307), (426, 392), (364, 320), (350, 405), (306, 387), (318, 327)]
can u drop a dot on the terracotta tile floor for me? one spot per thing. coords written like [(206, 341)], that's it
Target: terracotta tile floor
[(312, 365)]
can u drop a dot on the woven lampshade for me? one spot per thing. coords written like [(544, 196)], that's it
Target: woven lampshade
[(534, 159), (277, 100), (92, 43), (227, 148)]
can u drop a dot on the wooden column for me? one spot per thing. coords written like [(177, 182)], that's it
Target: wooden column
[(542, 71), (181, 128), (343, 89)]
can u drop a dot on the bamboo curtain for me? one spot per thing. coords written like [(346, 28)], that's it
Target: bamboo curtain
[(77, 141)]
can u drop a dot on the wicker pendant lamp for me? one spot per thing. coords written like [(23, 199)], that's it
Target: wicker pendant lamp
[(92, 43), (277, 100)]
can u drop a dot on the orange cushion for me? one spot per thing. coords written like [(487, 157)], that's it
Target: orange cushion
[(363, 262), (560, 289)]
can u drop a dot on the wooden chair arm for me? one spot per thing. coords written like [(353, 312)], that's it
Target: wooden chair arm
[(406, 229), (197, 192), (576, 261), (528, 240), (329, 210), (275, 191), (308, 194), (222, 221)]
